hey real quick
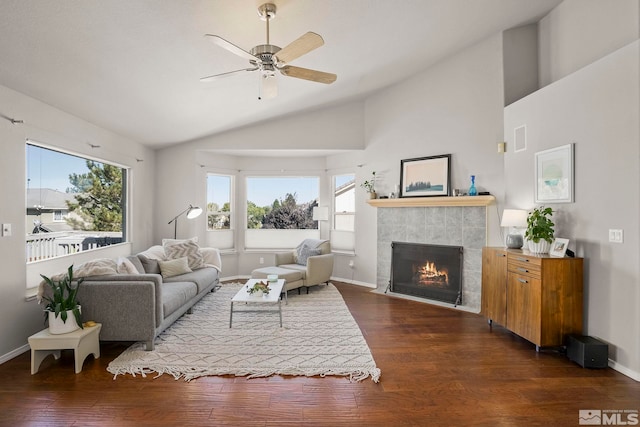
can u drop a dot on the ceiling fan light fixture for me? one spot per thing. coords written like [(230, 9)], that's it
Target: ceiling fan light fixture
[(269, 86)]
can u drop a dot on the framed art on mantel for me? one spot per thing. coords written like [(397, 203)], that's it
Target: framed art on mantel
[(425, 176), (554, 175)]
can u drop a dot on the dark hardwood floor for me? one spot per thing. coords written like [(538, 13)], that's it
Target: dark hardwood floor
[(439, 367)]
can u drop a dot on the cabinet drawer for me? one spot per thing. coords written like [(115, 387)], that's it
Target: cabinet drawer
[(523, 264), (524, 269)]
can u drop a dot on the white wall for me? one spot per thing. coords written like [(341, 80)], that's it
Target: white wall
[(579, 32), (20, 318), (597, 108)]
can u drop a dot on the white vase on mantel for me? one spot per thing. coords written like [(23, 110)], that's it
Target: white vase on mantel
[(542, 247), (57, 326)]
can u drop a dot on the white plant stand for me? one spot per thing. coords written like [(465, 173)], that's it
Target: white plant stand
[(82, 341)]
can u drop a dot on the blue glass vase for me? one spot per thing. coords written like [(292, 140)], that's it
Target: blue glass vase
[(472, 189)]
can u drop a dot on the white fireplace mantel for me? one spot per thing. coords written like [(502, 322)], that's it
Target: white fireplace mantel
[(406, 202)]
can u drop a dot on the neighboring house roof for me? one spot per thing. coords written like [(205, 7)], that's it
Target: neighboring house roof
[(48, 199), (345, 187)]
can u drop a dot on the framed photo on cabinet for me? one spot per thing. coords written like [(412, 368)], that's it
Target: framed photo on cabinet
[(559, 247)]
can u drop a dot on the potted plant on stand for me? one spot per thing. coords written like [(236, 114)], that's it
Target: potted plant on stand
[(369, 186), (539, 232), (62, 309)]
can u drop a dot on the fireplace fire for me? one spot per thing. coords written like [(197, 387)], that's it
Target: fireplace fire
[(427, 271)]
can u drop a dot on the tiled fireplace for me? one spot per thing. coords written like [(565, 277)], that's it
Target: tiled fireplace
[(464, 226)]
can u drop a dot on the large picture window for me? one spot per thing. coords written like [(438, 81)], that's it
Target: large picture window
[(73, 204), (280, 211)]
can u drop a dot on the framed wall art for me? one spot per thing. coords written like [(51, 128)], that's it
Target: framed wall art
[(426, 176), (554, 175)]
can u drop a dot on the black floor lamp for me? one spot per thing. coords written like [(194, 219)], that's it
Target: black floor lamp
[(191, 211)]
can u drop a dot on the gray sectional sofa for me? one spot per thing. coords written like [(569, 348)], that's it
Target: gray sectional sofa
[(138, 306)]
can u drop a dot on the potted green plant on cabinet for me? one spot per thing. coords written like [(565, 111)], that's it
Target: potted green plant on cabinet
[(62, 309), (539, 233)]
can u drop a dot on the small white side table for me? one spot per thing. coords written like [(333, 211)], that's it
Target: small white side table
[(82, 341)]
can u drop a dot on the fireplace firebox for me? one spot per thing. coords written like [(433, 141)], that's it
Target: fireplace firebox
[(427, 271)]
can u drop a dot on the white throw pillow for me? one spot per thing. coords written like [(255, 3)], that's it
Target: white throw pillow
[(126, 267), (185, 248), (97, 267), (174, 267)]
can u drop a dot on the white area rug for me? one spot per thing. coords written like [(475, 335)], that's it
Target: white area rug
[(318, 337)]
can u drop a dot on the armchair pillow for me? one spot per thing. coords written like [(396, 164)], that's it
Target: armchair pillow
[(305, 253)]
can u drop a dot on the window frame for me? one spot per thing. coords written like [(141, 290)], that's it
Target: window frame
[(126, 201), (270, 238)]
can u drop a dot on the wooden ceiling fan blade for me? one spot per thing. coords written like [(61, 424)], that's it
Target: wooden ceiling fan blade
[(227, 74), (225, 44), (304, 44), (307, 74)]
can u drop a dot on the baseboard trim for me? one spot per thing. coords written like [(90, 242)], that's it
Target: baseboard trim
[(354, 282), (634, 375), (15, 353)]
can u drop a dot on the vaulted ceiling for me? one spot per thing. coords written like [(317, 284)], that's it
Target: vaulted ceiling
[(133, 67)]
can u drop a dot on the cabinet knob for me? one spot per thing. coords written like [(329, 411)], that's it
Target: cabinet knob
[(524, 270), (523, 281), (523, 259)]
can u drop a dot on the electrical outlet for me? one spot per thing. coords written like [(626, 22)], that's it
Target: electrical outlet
[(351, 264), (6, 230), (616, 235), (261, 260)]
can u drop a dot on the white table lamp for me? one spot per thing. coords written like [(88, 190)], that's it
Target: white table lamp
[(514, 219)]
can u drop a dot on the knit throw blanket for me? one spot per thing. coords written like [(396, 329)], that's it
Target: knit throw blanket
[(318, 337)]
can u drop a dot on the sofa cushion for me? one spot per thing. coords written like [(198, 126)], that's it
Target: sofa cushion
[(202, 277), (189, 249), (176, 294), (150, 265), (174, 267), (297, 267)]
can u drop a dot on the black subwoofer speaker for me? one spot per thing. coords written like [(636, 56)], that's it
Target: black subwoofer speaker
[(588, 352)]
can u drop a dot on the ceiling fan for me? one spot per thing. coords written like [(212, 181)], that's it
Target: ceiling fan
[(267, 58)]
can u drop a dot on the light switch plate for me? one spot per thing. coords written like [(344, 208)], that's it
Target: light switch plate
[(6, 230), (616, 235)]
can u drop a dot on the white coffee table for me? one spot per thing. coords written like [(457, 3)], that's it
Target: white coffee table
[(242, 296)]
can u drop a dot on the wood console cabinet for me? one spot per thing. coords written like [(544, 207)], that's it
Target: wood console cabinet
[(538, 297)]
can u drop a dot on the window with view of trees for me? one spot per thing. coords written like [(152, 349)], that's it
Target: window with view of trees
[(218, 202), (281, 208), (73, 203)]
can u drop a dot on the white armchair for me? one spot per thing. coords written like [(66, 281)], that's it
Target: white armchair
[(317, 269)]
